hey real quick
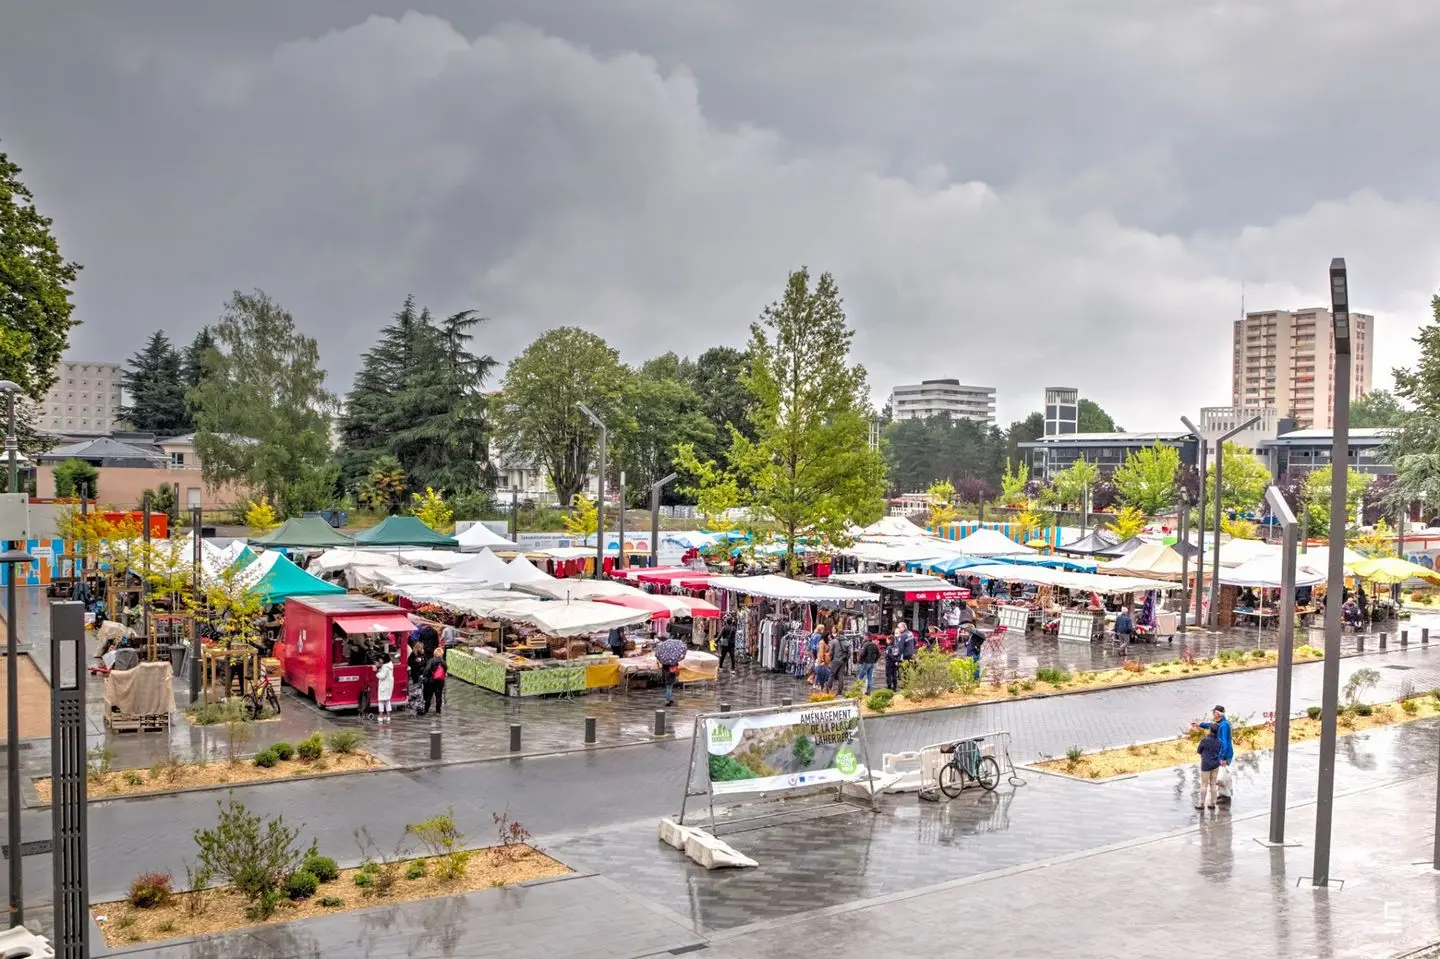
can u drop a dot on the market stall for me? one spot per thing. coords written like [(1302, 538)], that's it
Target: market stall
[(918, 600), (1061, 598), (394, 531), (774, 615)]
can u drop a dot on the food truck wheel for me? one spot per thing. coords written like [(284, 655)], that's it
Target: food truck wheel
[(363, 703)]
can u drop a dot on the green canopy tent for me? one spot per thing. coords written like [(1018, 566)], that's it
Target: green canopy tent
[(303, 534), (284, 579), (404, 531)]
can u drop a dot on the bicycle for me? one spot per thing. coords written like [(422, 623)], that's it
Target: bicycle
[(966, 763), (262, 696)]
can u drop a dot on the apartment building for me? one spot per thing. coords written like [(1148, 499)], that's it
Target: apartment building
[(933, 397), (84, 400), (1285, 360)]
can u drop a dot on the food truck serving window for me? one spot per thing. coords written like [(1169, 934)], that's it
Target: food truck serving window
[(378, 623)]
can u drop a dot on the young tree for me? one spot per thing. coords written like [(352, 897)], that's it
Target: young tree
[(942, 504), (1378, 408), (262, 410), (660, 412), (71, 475), (154, 381), (1013, 483), (810, 469), (1148, 480), (1315, 497), (540, 420), (714, 489), (1072, 485), (1245, 481), (1128, 523), (36, 315), (583, 518), (431, 509)]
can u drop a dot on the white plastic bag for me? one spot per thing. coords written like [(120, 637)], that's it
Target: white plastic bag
[(1224, 782)]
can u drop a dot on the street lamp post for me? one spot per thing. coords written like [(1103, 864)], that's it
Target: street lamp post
[(599, 493), (1184, 540), (1200, 539), (1335, 583), (655, 489), (1219, 511), (13, 559), (1288, 561)]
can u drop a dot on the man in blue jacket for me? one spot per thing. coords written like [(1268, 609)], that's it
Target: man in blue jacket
[(1221, 724)]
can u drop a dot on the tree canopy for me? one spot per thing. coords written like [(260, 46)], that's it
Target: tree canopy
[(539, 420), (962, 452), (1378, 408), (1246, 479), (1315, 497), (36, 315), (262, 410), (661, 412), (154, 380), (1148, 479), (810, 469)]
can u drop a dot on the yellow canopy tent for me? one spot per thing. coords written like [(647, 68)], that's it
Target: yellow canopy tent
[(1392, 569)]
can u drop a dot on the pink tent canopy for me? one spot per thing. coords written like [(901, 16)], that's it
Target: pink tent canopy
[(661, 607)]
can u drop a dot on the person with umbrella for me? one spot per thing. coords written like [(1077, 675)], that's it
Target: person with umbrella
[(669, 655)]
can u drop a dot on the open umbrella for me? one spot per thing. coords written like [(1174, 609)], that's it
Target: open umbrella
[(1392, 569), (671, 652)]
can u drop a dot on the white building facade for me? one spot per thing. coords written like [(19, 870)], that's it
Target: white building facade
[(84, 400), (934, 397)]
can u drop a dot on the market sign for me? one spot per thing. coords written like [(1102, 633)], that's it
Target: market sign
[(930, 595), (795, 748)]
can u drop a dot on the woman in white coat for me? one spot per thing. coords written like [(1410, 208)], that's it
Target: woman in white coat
[(385, 681)]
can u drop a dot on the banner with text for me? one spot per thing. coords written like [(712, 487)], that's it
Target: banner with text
[(788, 749)]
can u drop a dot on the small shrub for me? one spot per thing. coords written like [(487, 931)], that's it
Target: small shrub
[(98, 763), (332, 902), (1133, 666), (370, 867), (151, 890), (416, 870), (964, 672), (197, 881), (364, 879), (301, 885), (1028, 685), (322, 868), (1410, 706), (125, 922), (345, 741), (1258, 654), (1230, 656), (1314, 712), (1073, 756), (1054, 675), (1094, 773), (856, 690), (133, 778), (172, 768), (1013, 689), (1310, 651), (880, 699), (266, 759), (265, 906), (283, 751), (1364, 709), (514, 840), (237, 736), (310, 748), (821, 697), (1435, 693), (253, 855), (927, 675), (157, 769), (167, 926), (1187, 656)]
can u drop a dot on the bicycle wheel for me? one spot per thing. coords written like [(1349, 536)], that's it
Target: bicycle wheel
[(987, 773), (951, 780), (272, 699)]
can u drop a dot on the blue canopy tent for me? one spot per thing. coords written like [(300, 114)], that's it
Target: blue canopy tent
[(1050, 562)]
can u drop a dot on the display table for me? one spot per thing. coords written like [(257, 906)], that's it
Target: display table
[(696, 667), (1082, 625), (513, 675)]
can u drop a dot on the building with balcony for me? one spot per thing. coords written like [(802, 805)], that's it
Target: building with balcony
[(1285, 361), (934, 397)]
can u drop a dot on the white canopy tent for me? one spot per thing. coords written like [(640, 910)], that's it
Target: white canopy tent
[(988, 542), (1264, 572), (891, 553), (523, 571), (484, 567), (780, 587), (890, 526), (479, 536), (432, 558), (346, 558), (1089, 582), (581, 589), (1237, 552)]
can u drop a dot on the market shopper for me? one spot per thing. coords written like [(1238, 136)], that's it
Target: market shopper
[(384, 687), (1124, 628), (1209, 750), (434, 683), (1220, 725), (415, 677), (892, 659), (869, 656), (842, 652), (822, 659), (726, 644)]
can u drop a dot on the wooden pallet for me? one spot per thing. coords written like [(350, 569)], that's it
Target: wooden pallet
[(120, 723)]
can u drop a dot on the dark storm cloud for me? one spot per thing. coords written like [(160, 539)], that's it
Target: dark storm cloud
[(1010, 194)]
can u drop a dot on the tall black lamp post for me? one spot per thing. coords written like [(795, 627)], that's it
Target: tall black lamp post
[(1200, 539), (1219, 511)]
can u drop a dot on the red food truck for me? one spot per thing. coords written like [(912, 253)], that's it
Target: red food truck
[(333, 643)]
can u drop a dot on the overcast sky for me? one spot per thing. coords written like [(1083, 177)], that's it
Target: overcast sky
[(1015, 194)]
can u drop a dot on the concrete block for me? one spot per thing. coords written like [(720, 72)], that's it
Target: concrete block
[(713, 853), (20, 941), (674, 834)]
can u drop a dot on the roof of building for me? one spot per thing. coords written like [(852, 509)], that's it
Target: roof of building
[(101, 449), (1378, 434), (1112, 439)]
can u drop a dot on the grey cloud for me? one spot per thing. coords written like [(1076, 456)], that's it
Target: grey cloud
[(1004, 197)]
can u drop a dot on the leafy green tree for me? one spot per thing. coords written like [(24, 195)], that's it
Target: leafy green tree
[(1415, 447), (810, 469), (1028, 430), (154, 381), (1149, 479), (964, 453), (385, 489), (1092, 419), (36, 315), (1245, 481), (660, 413), (1315, 496), (717, 379), (1013, 483), (262, 410), (1378, 408), (539, 419), (1072, 485), (71, 475)]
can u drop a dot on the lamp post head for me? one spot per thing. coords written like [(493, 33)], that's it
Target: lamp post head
[(590, 415), (6, 386), (16, 557)]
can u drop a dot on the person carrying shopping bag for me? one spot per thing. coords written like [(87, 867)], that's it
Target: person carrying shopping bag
[(1209, 750), (1225, 781)]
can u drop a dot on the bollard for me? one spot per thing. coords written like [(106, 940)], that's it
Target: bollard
[(1404, 638), (724, 707), (589, 730), (1384, 640), (1359, 642), (435, 742), (514, 737), (659, 722), (1425, 636)]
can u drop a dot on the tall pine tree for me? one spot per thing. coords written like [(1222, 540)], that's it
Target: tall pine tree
[(152, 379)]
